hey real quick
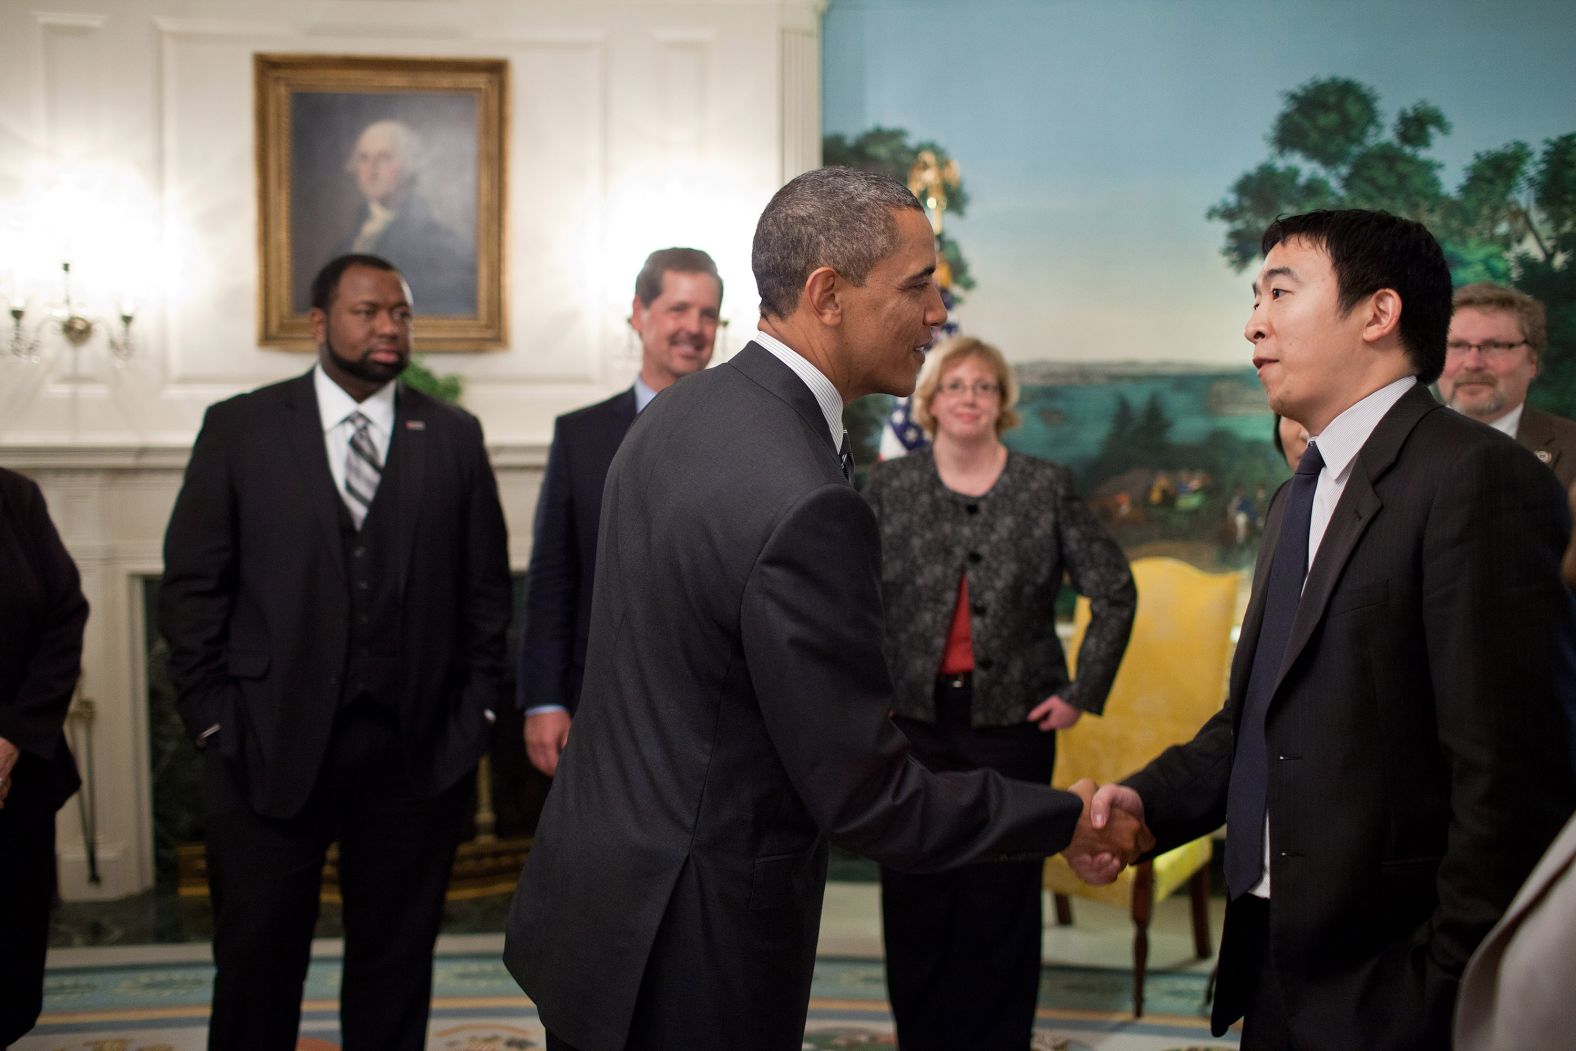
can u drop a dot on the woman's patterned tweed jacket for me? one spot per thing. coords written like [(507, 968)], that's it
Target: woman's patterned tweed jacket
[(1015, 542)]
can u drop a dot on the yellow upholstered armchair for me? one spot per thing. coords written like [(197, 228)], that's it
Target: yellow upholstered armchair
[(1172, 678)]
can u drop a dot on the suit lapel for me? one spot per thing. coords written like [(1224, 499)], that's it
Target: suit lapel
[(600, 446), (762, 366), (303, 426), (1359, 504), (622, 409), (620, 418), (1536, 434), (408, 451)]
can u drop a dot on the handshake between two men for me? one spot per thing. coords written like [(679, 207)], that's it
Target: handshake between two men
[(1111, 833)]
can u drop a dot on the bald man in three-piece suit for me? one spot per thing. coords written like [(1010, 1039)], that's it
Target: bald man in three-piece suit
[(335, 596)]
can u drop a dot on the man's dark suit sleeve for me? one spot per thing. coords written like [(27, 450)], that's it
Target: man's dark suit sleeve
[(37, 711), (485, 607), (198, 588), (552, 589), (1498, 617), (812, 626), (1184, 788)]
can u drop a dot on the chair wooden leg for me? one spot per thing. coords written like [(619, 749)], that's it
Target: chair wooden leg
[(1064, 910), (1143, 908), (1198, 890)]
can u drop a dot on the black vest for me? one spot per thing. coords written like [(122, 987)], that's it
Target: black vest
[(372, 574)]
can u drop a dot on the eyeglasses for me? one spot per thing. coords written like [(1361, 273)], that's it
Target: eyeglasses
[(980, 388), (1491, 349)]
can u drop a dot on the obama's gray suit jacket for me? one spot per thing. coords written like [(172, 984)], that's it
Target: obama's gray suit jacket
[(733, 718)]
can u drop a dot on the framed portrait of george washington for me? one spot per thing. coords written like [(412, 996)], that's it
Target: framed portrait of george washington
[(396, 157)]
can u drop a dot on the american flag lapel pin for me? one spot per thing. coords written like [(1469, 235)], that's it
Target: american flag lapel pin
[(415, 425)]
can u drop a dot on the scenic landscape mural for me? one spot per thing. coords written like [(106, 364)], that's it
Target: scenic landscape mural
[(1102, 230)]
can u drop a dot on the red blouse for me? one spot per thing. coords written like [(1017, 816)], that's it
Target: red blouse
[(958, 657)]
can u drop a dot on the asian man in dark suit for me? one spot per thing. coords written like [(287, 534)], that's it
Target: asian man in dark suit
[(335, 595), (677, 305), (734, 713), (1392, 756)]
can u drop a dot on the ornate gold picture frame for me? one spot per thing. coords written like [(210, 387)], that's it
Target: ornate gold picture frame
[(398, 157)]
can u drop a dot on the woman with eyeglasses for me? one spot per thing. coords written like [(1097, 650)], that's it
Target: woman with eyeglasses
[(975, 543)]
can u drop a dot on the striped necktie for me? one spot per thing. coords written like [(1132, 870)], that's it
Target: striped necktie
[(847, 458), (362, 470)]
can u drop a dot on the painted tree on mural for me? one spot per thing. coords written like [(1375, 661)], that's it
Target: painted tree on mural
[(1511, 219), (889, 152)]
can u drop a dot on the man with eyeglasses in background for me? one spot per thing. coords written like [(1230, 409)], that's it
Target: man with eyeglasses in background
[(1497, 335)]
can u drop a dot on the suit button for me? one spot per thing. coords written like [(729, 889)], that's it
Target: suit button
[(358, 551), (975, 556), (972, 509), (984, 663), (979, 609), (361, 585), (333, 680)]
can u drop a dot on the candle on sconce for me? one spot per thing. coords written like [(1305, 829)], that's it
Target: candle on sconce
[(122, 346)]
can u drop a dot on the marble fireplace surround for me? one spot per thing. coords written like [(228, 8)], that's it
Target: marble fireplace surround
[(111, 505)]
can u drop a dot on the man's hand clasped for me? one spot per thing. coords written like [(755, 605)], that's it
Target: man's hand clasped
[(1111, 833)]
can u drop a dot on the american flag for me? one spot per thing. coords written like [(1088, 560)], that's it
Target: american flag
[(901, 435)]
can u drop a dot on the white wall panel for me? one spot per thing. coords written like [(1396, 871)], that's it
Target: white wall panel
[(632, 125), (801, 102), (73, 90)]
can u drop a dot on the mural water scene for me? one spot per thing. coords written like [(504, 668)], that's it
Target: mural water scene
[(1176, 459), (1103, 229)]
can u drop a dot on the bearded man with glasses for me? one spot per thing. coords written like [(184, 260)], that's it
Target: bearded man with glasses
[(1497, 336)]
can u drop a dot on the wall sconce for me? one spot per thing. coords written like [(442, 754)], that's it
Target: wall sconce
[(70, 324)]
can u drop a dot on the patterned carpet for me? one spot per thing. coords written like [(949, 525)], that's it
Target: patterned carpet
[(121, 1004)]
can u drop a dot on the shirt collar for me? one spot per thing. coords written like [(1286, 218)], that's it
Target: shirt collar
[(1346, 435), (334, 406), (643, 395), (1509, 423), (826, 395)]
